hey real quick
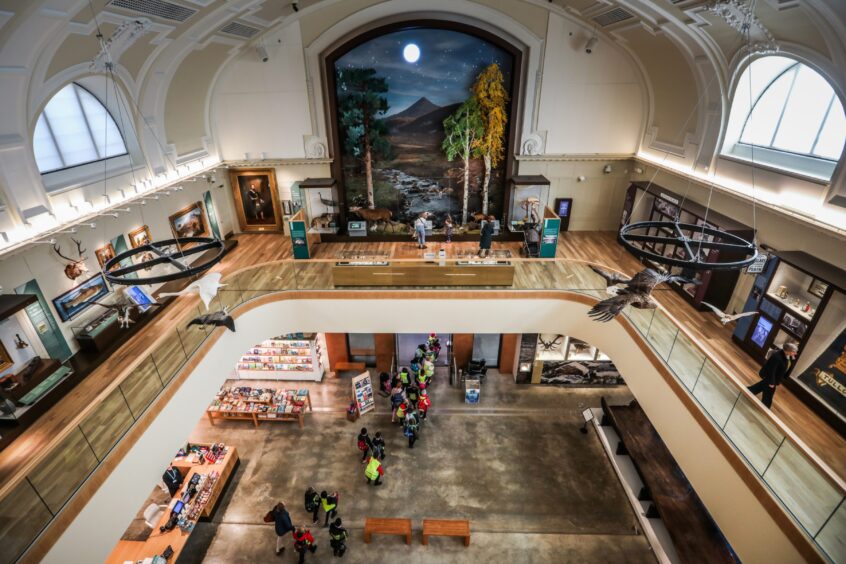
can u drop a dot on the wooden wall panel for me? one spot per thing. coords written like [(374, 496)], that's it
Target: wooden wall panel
[(336, 349), (386, 348), (462, 348), (508, 348)]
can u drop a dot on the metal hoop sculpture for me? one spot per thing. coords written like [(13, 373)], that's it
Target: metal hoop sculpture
[(169, 251), (690, 247)]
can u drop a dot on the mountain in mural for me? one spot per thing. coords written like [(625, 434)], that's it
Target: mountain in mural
[(419, 108), (421, 117)]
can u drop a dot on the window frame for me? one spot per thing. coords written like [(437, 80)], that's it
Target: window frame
[(73, 85), (808, 166)]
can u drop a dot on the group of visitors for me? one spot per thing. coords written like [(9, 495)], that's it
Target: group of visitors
[(303, 539), (486, 232), (373, 453)]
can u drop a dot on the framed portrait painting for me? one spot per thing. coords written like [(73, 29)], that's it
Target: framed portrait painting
[(105, 254), (190, 221), (256, 199), (5, 358), (140, 236)]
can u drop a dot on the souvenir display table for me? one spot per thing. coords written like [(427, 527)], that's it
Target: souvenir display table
[(260, 404)]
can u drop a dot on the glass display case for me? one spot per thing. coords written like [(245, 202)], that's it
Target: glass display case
[(320, 198), (528, 197)]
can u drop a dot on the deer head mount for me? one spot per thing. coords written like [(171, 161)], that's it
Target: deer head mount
[(75, 267)]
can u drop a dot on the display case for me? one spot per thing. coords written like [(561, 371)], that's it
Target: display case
[(320, 197), (528, 197), (289, 357), (800, 299), (650, 202)]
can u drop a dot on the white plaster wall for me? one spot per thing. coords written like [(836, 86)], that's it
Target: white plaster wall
[(589, 103), (749, 528), (41, 263), (262, 108)]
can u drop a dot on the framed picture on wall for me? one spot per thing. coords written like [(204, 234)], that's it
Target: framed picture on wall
[(5, 358), (140, 236), (190, 221), (818, 288), (76, 300), (105, 254), (256, 199)]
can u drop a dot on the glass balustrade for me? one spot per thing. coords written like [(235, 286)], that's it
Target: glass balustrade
[(803, 486)]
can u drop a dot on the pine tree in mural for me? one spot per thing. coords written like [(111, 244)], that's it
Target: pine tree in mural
[(489, 91), (461, 132), (361, 99)]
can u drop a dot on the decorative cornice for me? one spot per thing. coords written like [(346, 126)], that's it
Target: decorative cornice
[(576, 157), (275, 162)]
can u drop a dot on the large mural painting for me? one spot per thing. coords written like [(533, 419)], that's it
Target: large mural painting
[(423, 119)]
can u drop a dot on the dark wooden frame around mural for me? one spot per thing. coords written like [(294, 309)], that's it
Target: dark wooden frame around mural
[(234, 175), (334, 53)]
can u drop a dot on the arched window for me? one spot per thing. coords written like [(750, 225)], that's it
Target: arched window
[(786, 115), (75, 128)]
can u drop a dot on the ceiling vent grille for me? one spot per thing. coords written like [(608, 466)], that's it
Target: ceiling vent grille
[(156, 8), (239, 29), (616, 15)]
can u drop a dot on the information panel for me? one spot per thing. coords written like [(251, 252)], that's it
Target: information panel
[(298, 239)]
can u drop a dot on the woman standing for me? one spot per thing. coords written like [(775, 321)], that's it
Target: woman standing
[(420, 230), (486, 237)]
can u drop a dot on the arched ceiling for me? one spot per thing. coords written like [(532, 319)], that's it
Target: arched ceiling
[(684, 52)]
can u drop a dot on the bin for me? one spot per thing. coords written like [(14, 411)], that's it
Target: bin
[(472, 389)]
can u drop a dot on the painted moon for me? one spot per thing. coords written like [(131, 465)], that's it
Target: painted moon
[(411, 53)]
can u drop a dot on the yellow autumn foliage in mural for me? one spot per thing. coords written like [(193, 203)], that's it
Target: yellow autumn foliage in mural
[(492, 99)]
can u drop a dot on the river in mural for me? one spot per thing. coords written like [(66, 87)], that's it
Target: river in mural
[(421, 113)]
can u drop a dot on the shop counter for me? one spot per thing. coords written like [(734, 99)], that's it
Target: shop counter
[(479, 272), (176, 538)]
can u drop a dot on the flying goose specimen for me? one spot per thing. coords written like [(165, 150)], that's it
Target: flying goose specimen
[(725, 318), (634, 291), (217, 319)]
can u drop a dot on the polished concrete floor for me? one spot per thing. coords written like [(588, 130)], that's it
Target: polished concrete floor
[(533, 487)]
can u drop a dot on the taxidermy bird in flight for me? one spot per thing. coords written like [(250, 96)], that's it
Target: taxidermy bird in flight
[(217, 319), (725, 318), (635, 291), (207, 287)]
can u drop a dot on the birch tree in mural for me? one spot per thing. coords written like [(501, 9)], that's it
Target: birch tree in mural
[(361, 100), (462, 130), (489, 91)]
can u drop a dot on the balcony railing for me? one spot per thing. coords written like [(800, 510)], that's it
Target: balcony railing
[(809, 491)]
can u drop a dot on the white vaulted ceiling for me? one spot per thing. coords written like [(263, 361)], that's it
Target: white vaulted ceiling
[(684, 53)]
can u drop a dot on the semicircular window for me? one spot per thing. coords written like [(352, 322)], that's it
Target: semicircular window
[(786, 115), (74, 129)]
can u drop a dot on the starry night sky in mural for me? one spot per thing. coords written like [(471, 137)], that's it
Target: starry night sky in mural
[(449, 63)]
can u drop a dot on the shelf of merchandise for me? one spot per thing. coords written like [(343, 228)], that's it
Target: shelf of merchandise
[(296, 358)]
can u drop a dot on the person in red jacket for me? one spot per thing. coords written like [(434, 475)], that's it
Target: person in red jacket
[(303, 541), (423, 404)]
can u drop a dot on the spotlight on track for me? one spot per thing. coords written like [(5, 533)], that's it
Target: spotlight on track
[(591, 44), (261, 51)]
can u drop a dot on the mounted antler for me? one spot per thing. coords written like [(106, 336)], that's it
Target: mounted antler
[(75, 267)]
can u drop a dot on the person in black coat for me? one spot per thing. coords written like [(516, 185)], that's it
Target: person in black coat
[(486, 237), (172, 479), (773, 372), (282, 524)]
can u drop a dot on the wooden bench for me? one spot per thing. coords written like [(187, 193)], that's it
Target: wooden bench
[(345, 366), (446, 528), (387, 527)]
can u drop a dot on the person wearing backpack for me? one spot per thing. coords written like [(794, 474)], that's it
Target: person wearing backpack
[(399, 413), (281, 523), (404, 377), (304, 542), (374, 471), (423, 405), (338, 538), (411, 428), (312, 503), (396, 400), (330, 505), (364, 444), (379, 446), (412, 393)]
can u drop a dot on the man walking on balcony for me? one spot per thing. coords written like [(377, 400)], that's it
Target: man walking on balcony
[(773, 372)]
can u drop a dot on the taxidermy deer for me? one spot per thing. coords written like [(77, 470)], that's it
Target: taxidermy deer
[(75, 267), (375, 214)]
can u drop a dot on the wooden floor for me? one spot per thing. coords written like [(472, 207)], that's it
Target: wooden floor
[(582, 246)]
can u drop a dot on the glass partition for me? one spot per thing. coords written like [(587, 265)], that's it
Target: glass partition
[(104, 426), (22, 517), (57, 476), (141, 386)]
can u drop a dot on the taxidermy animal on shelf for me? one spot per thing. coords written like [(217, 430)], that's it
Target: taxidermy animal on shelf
[(20, 343), (217, 319), (725, 318), (207, 287), (375, 214), (322, 221), (75, 267), (531, 206), (635, 291)]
